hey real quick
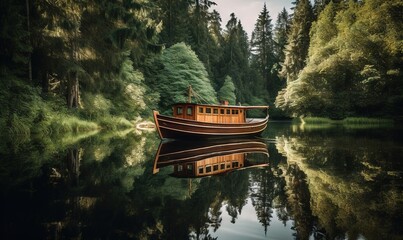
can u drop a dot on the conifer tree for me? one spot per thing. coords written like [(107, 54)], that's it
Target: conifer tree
[(298, 41), (215, 47), (227, 91), (234, 61), (319, 5), (174, 15), (14, 40), (296, 50), (281, 31), (181, 69), (262, 49)]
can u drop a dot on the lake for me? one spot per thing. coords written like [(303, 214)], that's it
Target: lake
[(296, 182)]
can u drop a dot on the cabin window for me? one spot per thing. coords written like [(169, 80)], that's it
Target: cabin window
[(234, 111), (189, 167), (189, 111), (222, 166), (215, 111), (240, 111), (228, 111), (180, 168), (201, 110), (221, 111), (215, 167), (179, 110), (208, 169), (201, 170), (235, 164), (208, 110)]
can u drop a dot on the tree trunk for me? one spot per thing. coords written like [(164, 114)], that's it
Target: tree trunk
[(73, 91), (73, 164), (29, 40)]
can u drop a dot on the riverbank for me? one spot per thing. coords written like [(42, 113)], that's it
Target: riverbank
[(63, 123), (346, 121)]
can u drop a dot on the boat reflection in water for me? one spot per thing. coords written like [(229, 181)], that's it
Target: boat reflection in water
[(205, 158)]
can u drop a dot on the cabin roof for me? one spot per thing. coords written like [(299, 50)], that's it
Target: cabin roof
[(223, 106)]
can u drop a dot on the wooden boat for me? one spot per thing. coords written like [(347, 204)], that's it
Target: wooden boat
[(191, 120), (206, 158)]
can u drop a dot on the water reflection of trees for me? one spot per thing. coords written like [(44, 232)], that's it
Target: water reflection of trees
[(352, 182), (102, 187)]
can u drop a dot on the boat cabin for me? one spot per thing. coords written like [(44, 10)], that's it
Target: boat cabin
[(210, 166), (210, 113)]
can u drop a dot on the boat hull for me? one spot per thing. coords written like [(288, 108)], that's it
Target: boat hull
[(212, 157), (174, 128), (177, 151)]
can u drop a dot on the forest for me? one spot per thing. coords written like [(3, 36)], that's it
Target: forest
[(77, 65)]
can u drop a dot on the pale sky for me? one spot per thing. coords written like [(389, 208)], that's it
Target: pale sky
[(247, 11)]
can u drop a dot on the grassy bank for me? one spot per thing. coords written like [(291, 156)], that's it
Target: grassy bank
[(61, 123), (347, 121), (27, 111)]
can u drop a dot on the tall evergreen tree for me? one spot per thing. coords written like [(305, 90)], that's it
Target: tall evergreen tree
[(262, 50), (90, 55), (215, 47), (319, 5), (298, 40), (227, 91), (14, 39), (281, 32), (234, 61), (298, 92), (181, 68), (199, 32), (174, 15), (296, 50)]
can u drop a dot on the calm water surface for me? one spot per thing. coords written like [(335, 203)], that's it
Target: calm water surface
[(317, 182)]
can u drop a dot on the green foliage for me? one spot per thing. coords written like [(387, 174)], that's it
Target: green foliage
[(235, 60), (296, 50), (227, 91), (350, 56), (182, 68), (343, 170), (21, 105), (263, 53), (15, 49), (96, 57), (65, 124), (115, 123), (362, 121)]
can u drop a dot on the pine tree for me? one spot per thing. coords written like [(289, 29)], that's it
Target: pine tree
[(227, 91), (296, 50), (234, 61), (309, 94), (262, 48), (181, 68), (14, 39), (281, 31), (298, 41), (174, 15), (319, 5), (215, 47)]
